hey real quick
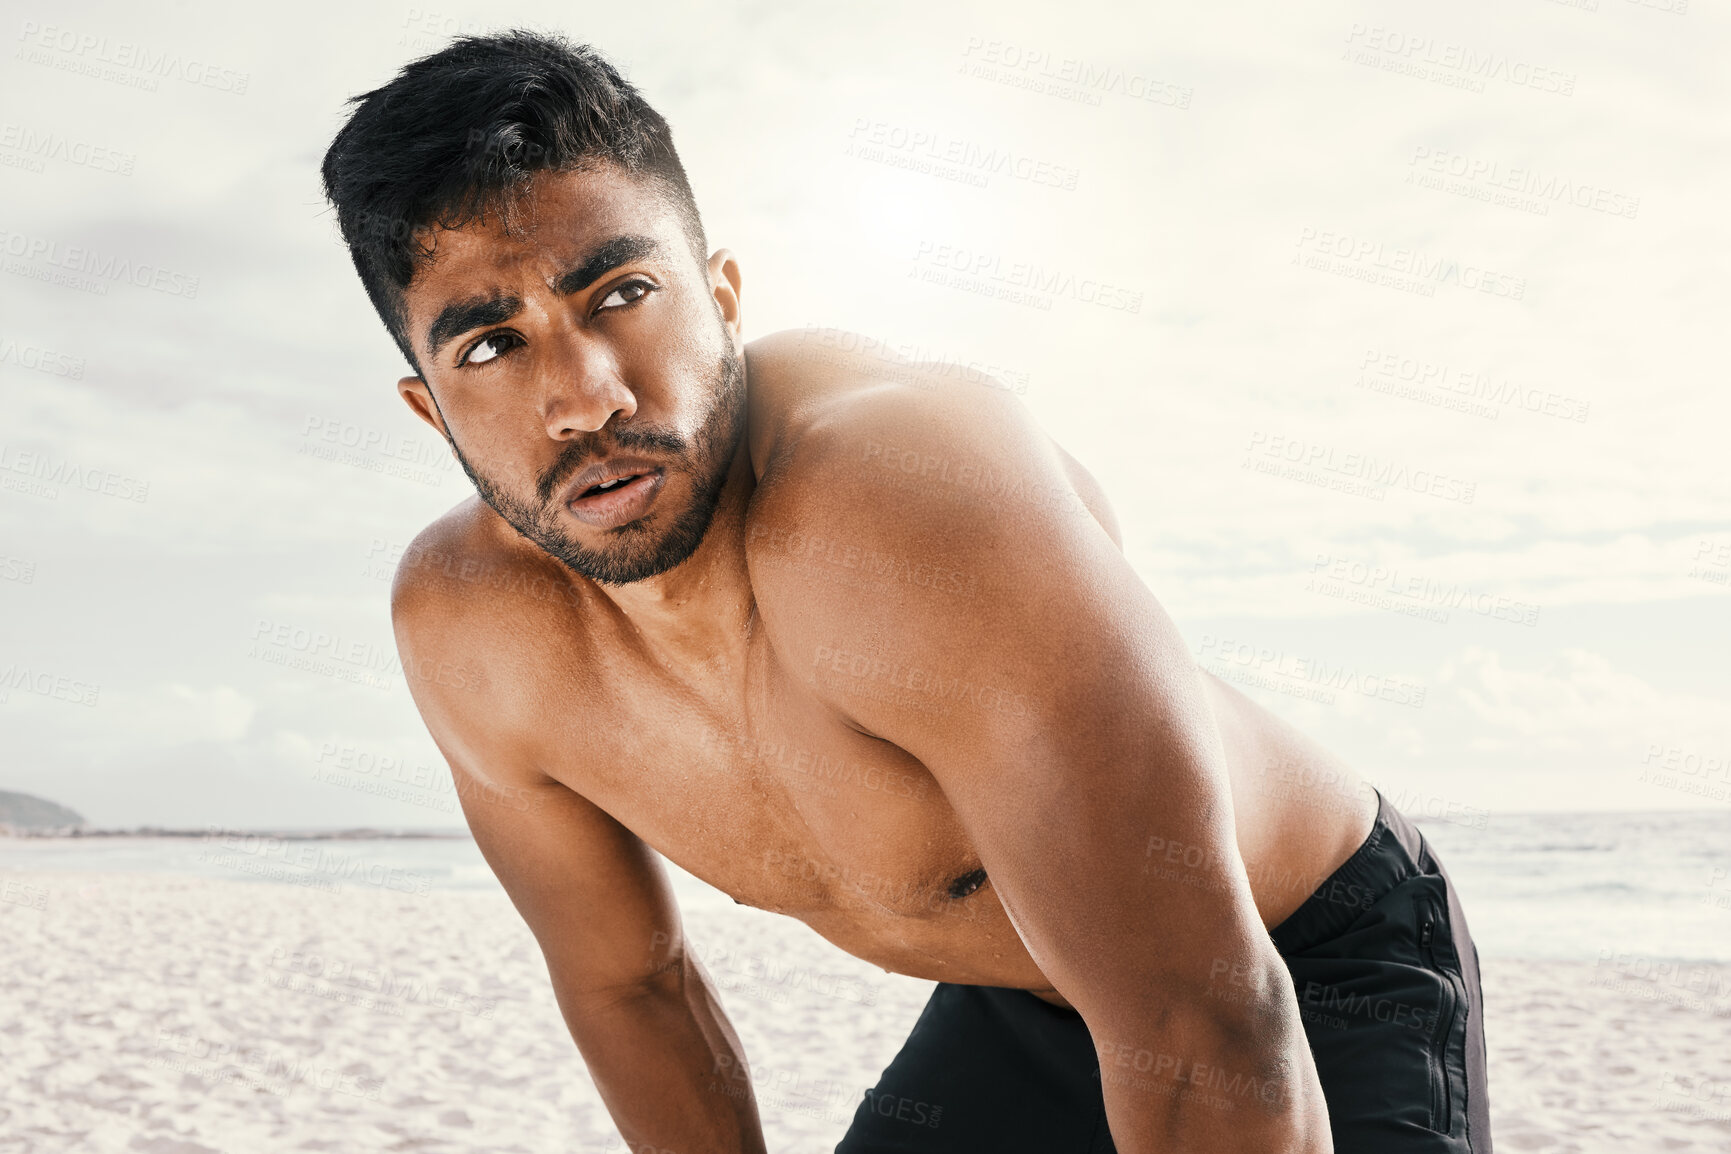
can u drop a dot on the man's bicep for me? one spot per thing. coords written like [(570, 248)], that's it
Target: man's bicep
[(1069, 744)]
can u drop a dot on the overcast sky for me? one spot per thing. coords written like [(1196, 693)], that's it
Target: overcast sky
[(1388, 328)]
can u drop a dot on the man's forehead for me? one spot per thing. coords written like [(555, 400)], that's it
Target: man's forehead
[(539, 232)]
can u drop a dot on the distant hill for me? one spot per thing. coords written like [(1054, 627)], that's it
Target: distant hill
[(21, 811)]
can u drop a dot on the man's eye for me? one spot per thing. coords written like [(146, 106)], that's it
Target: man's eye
[(489, 348), (628, 293)]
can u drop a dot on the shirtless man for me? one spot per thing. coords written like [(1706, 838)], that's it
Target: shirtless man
[(1161, 919)]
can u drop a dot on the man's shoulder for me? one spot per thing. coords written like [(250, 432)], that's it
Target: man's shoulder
[(852, 430), (465, 570), (825, 400), (884, 492), (893, 496), (484, 622), (429, 574), (841, 354)]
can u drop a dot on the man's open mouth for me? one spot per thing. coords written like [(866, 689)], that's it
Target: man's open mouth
[(622, 492), (609, 486)]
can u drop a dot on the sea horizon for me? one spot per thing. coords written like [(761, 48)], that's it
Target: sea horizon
[(366, 832), (1577, 885)]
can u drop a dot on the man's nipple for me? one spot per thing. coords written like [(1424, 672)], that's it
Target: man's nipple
[(967, 883)]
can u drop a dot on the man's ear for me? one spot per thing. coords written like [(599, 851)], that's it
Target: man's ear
[(724, 283), (419, 397)]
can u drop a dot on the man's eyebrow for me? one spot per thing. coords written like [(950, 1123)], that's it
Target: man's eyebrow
[(456, 319), (477, 312), (609, 256)]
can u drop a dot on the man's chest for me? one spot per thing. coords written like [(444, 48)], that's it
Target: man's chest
[(740, 775)]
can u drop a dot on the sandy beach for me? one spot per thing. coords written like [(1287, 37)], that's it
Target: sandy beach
[(173, 1014), (184, 1015)]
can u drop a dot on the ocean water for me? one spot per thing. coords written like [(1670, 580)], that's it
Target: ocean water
[(1561, 886), (1588, 886), (404, 864)]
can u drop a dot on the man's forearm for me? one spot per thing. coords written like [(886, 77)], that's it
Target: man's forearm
[(669, 1066), (1215, 1084)]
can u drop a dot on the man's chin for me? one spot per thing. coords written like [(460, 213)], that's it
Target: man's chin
[(637, 550), (625, 565)]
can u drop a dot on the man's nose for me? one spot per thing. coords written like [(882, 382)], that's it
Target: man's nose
[(581, 393)]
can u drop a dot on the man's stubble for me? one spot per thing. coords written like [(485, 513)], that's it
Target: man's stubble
[(636, 553)]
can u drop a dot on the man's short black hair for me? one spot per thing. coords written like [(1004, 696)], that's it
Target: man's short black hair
[(456, 132)]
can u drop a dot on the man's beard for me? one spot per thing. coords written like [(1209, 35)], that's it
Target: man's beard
[(637, 553)]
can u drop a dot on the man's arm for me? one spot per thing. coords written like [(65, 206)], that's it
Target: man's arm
[(1060, 712), (641, 1010), (643, 1013)]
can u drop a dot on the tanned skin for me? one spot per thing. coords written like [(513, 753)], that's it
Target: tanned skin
[(902, 574)]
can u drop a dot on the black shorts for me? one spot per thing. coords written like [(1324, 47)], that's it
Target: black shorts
[(1387, 980)]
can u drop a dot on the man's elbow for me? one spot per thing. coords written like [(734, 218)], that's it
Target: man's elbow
[(1263, 1053), (1223, 1074)]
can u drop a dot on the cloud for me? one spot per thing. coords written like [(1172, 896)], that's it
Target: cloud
[(176, 714), (1579, 701)]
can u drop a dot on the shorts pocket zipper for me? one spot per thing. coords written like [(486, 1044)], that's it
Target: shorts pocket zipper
[(1441, 1104)]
